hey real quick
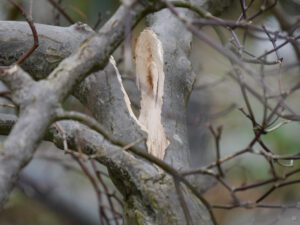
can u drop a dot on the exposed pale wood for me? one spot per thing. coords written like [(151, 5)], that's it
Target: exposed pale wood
[(149, 199), (150, 79), (126, 98)]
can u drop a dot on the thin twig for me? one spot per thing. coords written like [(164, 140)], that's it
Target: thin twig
[(33, 30), (62, 11)]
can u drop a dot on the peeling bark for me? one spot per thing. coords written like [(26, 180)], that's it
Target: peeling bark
[(150, 196), (150, 79), (39, 100), (179, 79)]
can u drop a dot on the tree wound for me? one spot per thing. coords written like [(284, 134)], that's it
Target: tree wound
[(150, 79)]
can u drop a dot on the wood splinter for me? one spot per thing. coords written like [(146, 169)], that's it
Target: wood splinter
[(150, 79)]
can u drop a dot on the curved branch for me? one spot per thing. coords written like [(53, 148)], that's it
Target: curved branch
[(130, 173), (41, 98), (133, 176), (56, 43)]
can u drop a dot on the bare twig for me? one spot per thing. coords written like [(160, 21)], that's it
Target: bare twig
[(62, 11), (33, 30)]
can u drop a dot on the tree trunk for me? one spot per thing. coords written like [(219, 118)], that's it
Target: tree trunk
[(153, 195)]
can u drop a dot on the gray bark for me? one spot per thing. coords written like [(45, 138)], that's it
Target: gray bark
[(176, 41), (38, 101), (55, 44), (150, 195)]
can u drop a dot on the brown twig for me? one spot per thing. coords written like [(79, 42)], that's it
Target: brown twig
[(62, 11), (79, 158), (265, 7), (108, 195), (183, 204), (99, 20), (217, 136), (33, 30)]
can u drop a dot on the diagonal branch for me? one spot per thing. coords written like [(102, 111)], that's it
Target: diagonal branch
[(39, 99)]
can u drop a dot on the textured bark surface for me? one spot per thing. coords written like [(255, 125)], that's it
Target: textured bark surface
[(179, 80), (39, 101), (150, 195), (55, 44)]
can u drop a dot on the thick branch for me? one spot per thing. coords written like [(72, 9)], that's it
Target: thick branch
[(137, 180), (179, 79), (148, 201), (101, 93), (38, 106), (22, 141), (56, 43)]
